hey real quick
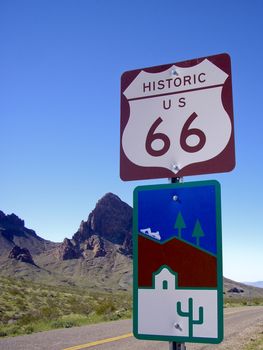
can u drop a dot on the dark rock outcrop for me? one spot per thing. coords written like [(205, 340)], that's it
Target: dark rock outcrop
[(21, 254), (235, 290), (111, 220), (11, 221), (83, 233), (67, 250), (127, 246), (14, 233), (95, 244), (12, 226)]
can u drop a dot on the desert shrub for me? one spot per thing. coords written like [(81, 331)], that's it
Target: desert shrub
[(15, 292), (26, 319), (13, 330), (49, 312), (28, 329), (105, 307), (64, 324)]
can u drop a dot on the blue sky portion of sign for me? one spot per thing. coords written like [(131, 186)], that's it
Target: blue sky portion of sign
[(60, 68), (158, 211)]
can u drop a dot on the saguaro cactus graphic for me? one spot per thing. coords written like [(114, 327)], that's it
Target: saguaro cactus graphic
[(190, 315)]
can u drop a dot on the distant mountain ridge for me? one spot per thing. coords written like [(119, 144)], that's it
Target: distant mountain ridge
[(99, 254), (258, 284)]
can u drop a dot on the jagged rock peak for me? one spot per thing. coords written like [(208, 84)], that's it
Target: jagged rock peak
[(109, 197), (11, 220), (12, 226), (21, 254), (110, 219)]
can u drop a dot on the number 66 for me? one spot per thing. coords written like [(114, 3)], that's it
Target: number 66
[(186, 132)]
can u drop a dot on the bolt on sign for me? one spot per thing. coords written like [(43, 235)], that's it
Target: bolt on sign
[(178, 293), (177, 119)]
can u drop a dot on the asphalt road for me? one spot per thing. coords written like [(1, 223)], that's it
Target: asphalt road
[(240, 325)]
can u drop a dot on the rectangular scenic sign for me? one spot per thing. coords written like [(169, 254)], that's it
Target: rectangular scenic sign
[(178, 292)]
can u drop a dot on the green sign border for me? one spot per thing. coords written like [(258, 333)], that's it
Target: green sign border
[(220, 333)]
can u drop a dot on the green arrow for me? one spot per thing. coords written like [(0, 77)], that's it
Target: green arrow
[(179, 224), (198, 232)]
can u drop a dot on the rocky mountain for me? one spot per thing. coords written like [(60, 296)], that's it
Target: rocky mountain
[(21, 254), (14, 233), (110, 221), (98, 255)]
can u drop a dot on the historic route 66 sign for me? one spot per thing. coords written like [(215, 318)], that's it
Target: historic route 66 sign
[(177, 119)]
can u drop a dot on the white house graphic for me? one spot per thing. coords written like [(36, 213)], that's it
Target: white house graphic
[(170, 311)]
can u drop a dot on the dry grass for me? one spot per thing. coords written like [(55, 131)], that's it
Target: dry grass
[(235, 302), (256, 342), (27, 307)]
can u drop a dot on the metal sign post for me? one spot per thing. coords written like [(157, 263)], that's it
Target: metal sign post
[(176, 346), (173, 345)]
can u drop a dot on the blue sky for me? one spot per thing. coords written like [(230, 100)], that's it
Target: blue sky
[(60, 68)]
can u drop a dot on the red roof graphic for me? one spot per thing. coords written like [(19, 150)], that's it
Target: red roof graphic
[(195, 268)]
